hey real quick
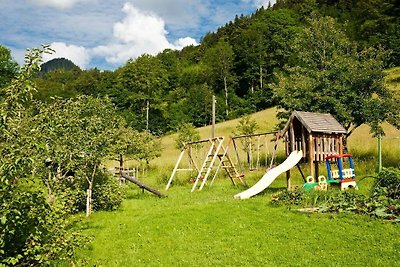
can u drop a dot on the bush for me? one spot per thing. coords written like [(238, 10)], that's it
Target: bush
[(384, 201), (34, 233), (388, 183), (107, 193)]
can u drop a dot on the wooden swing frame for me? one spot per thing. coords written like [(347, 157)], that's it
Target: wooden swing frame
[(208, 163), (265, 134)]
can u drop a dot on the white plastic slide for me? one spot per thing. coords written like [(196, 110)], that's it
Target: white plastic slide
[(271, 175)]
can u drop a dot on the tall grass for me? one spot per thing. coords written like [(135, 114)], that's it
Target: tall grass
[(392, 80), (361, 144)]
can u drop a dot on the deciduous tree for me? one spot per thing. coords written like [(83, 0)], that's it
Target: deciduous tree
[(329, 73)]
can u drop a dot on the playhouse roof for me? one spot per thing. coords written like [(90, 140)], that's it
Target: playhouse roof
[(316, 122)]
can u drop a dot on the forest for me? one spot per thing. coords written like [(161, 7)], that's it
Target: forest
[(239, 63), (59, 123)]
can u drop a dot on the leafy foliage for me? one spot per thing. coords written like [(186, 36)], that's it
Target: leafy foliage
[(186, 133), (384, 201), (32, 231), (389, 181), (241, 60), (107, 194), (8, 67), (330, 74)]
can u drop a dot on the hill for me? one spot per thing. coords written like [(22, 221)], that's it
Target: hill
[(393, 80), (57, 64), (360, 142)]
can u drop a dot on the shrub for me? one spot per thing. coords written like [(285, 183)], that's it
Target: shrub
[(388, 183), (34, 233), (107, 193)]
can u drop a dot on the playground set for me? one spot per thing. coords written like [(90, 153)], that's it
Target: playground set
[(320, 137), (309, 137)]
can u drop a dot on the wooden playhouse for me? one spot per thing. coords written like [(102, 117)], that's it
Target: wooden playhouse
[(317, 135)]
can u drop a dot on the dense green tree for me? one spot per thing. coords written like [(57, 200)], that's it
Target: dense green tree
[(144, 79), (261, 50), (8, 66), (57, 83), (219, 59), (32, 232), (75, 135), (330, 74)]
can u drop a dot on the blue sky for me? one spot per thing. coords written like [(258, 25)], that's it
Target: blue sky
[(105, 33)]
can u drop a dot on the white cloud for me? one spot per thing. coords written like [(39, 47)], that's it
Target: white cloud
[(260, 3), (138, 33), (77, 54), (182, 42), (62, 4)]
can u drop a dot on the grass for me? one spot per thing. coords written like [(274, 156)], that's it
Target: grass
[(210, 228), (392, 80)]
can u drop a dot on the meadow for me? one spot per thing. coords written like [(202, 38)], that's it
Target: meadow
[(211, 228)]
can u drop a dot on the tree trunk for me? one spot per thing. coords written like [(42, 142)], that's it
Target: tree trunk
[(51, 196), (89, 200), (121, 164), (261, 77), (89, 192)]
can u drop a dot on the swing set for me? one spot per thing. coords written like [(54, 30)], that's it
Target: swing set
[(202, 156), (203, 166), (254, 144)]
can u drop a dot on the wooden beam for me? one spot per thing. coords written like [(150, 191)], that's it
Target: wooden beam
[(301, 172), (175, 169), (142, 185), (252, 135), (303, 142), (292, 141), (311, 154)]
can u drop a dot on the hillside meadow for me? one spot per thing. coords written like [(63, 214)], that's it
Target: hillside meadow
[(211, 228)]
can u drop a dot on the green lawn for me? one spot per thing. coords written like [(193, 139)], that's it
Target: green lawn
[(210, 228)]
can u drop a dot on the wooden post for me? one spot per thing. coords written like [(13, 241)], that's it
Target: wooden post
[(311, 154), (175, 169), (292, 139), (213, 117), (288, 180), (316, 165), (303, 141)]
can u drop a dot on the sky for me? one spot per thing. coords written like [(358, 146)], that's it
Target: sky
[(105, 34)]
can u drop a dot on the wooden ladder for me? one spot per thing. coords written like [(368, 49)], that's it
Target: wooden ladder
[(206, 167), (230, 168)]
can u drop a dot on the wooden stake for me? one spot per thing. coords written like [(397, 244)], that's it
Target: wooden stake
[(213, 117)]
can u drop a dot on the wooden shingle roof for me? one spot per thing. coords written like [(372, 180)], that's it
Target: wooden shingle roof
[(316, 122)]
